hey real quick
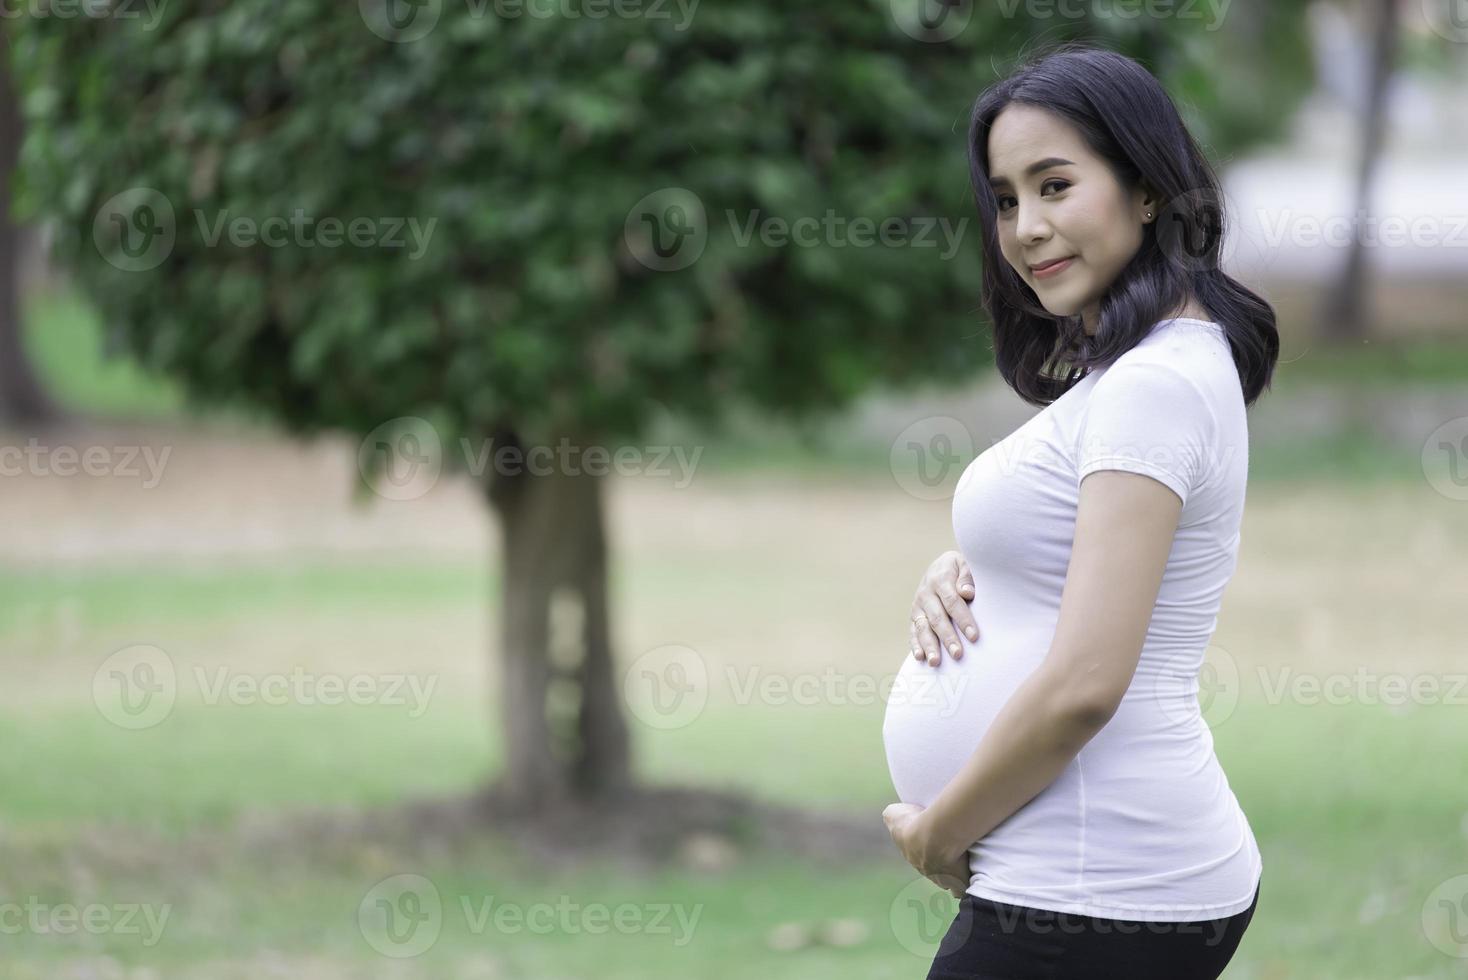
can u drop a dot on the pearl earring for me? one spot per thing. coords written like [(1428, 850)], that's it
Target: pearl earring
[(1149, 215)]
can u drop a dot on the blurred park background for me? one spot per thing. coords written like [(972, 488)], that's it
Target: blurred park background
[(302, 678)]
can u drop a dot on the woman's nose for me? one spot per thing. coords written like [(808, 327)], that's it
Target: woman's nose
[(1030, 225)]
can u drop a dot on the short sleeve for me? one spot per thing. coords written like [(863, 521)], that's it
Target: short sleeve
[(1147, 417)]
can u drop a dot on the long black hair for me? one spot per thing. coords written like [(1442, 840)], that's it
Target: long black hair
[(1128, 120)]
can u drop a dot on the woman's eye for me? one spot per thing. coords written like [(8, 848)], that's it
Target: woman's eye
[(1004, 199)]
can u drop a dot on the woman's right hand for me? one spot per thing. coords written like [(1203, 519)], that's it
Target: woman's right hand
[(940, 609)]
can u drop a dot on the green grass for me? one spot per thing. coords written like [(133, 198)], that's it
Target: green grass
[(1350, 455), (1347, 802), (1331, 835), (103, 597), (207, 764), (1405, 362)]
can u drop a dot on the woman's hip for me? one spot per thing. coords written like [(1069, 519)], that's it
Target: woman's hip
[(991, 940)]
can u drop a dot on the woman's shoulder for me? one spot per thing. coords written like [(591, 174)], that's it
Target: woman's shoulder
[(1197, 350)]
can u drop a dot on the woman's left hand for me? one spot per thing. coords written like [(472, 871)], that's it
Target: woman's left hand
[(912, 834)]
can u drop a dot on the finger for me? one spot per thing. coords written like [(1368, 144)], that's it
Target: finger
[(949, 884), (960, 876), (964, 576), (922, 635), (940, 624), (958, 611), (913, 643)]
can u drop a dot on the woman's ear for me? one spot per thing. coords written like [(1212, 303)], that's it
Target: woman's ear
[(1147, 201)]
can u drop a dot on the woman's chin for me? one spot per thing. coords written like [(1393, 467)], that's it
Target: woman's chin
[(1059, 306)]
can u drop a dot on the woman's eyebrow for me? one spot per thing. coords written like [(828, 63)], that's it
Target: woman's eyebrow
[(1034, 168)]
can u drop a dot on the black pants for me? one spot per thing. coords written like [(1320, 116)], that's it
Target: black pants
[(994, 941)]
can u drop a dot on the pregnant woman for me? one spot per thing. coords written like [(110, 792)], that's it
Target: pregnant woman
[(1061, 780)]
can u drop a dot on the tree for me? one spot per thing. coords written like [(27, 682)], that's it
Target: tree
[(1344, 314), (22, 399), (606, 197)]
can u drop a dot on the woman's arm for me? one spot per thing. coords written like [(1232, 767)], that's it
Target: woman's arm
[(1125, 523)]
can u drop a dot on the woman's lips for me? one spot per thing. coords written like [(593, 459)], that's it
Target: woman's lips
[(1055, 268)]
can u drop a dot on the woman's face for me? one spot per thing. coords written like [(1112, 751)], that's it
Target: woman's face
[(1070, 206)]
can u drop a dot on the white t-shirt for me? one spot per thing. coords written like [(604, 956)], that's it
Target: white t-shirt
[(1142, 824)]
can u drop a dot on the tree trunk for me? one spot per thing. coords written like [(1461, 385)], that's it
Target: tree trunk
[(22, 399), (1344, 315), (564, 732)]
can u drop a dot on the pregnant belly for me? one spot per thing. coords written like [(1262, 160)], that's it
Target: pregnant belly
[(1159, 813), (937, 715)]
